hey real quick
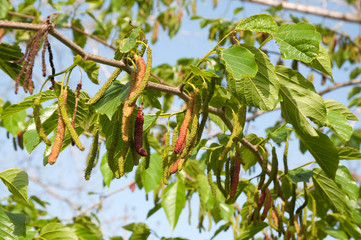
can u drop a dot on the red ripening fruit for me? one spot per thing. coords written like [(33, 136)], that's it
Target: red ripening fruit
[(183, 129), (235, 177), (174, 168), (261, 200), (267, 205), (21, 139), (138, 133), (132, 187), (288, 235)]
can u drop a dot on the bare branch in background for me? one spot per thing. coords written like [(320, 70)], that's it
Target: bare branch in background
[(319, 11)]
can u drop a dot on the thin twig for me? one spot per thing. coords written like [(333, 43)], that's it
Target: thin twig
[(349, 17), (99, 203), (51, 192)]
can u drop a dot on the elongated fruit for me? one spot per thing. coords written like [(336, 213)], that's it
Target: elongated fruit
[(138, 133), (183, 129), (235, 177)]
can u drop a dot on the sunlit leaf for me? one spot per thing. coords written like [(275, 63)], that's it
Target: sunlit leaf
[(260, 91), (339, 124), (348, 153), (112, 98), (258, 23), (16, 180), (90, 68), (322, 62), (300, 101), (331, 192), (173, 202), (239, 62), (57, 231), (298, 41), (12, 225), (333, 105), (348, 184), (323, 150)]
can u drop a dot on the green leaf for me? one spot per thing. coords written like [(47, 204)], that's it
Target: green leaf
[(224, 227), (298, 41), (339, 125), (258, 23), (16, 180), (217, 120), (113, 97), (153, 175), (57, 231), (322, 62), (330, 192), (27, 103), (324, 152), (355, 72), (203, 73), (278, 134), (149, 121), (12, 225), (300, 175), (247, 154), (49, 121), (300, 101), (106, 172), (86, 230), (15, 123), (90, 67), (30, 234), (348, 153), (351, 228), (11, 69), (9, 52), (251, 230), (150, 97), (333, 105), (260, 91), (224, 210), (154, 209), (140, 231), (173, 202), (336, 233), (78, 37), (4, 8), (129, 43), (348, 184), (203, 190), (239, 61)]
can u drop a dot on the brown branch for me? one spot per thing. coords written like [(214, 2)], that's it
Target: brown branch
[(339, 85), (51, 192), (349, 17), (120, 64), (16, 14), (151, 85), (99, 203), (91, 36)]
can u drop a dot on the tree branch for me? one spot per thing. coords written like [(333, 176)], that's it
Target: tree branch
[(339, 85), (349, 17), (99, 203), (120, 64), (51, 192)]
